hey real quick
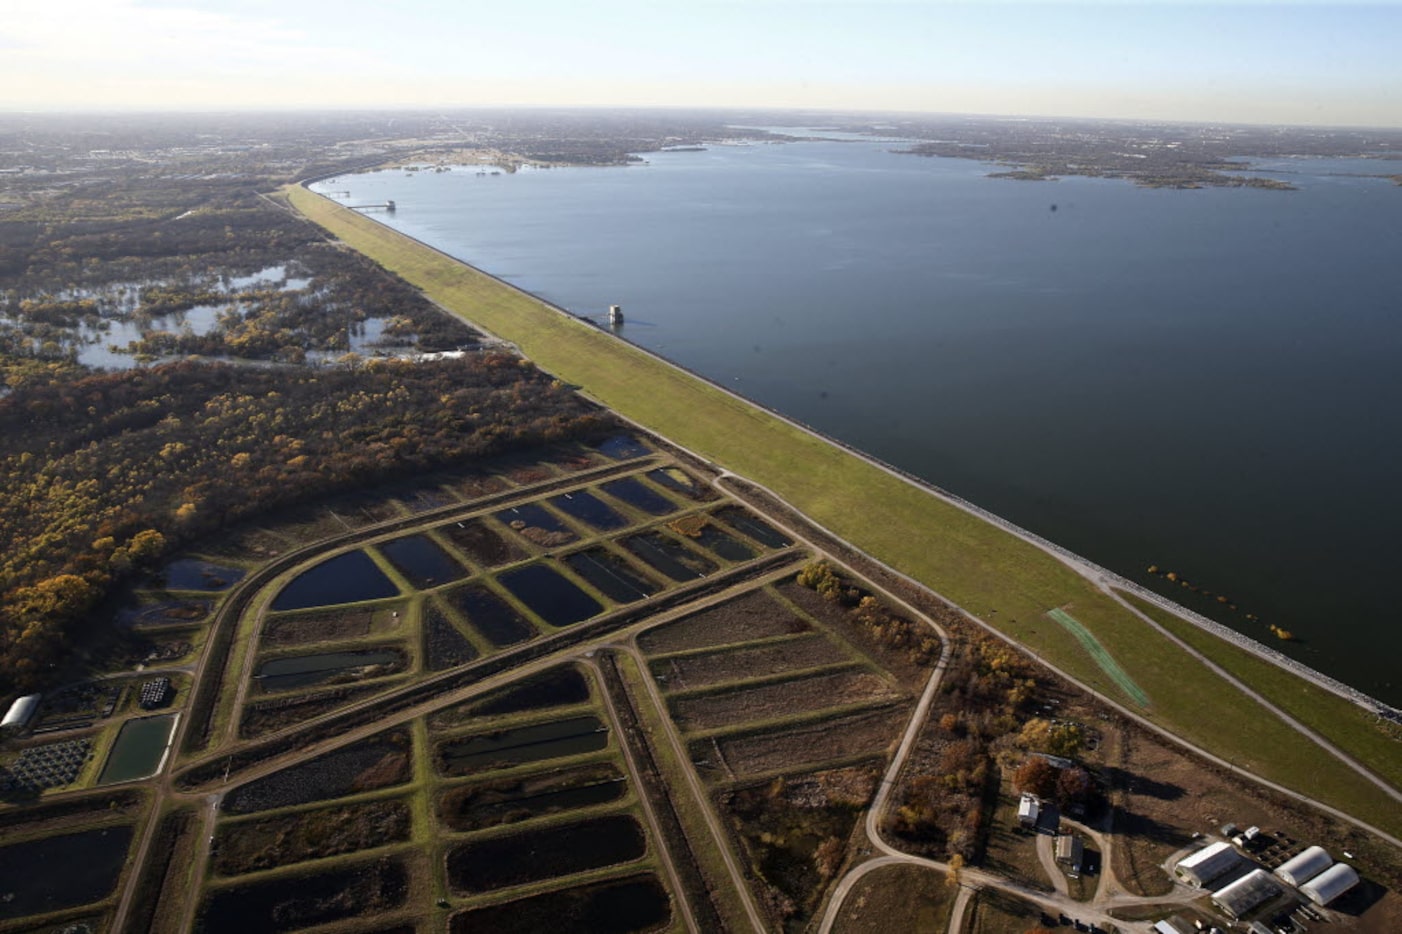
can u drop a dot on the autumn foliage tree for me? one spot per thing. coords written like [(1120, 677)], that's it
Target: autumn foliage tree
[(102, 474), (1036, 776)]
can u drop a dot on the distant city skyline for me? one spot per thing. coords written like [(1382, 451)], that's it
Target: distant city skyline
[(1247, 61)]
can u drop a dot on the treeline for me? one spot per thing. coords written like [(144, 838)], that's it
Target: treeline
[(100, 475), (917, 643), (987, 693)]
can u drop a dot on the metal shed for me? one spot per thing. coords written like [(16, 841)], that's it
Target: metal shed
[(1028, 810), (1246, 893), (1303, 867), (1330, 884), (1071, 851), (1207, 864)]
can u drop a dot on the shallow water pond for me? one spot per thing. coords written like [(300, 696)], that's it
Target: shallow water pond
[(623, 447), (61, 872), (727, 546), (674, 478), (588, 508), (347, 578), (669, 556), (491, 616), (537, 524), (611, 575), (419, 559), (618, 906), (534, 743), (554, 599), (195, 574), (752, 526), (139, 749), (169, 613), (284, 674), (532, 855), (635, 493)]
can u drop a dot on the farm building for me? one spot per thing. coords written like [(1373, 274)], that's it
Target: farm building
[(1330, 884), (1305, 866), (20, 712), (1070, 852), (1246, 893), (1207, 864), (1028, 810)]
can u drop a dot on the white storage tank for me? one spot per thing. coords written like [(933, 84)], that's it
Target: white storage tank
[(1303, 867), (1330, 884)]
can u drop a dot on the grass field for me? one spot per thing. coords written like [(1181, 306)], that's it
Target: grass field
[(970, 561), (1354, 729)]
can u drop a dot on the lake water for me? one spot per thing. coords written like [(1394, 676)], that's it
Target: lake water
[(1202, 380)]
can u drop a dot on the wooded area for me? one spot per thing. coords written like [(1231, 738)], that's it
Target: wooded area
[(103, 472)]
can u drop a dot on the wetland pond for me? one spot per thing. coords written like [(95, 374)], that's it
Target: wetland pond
[(617, 906), (508, 801), (632, 491), (588, 508), (54, 873), (545, 853), (196, 574), (139, 750), (611, 575), (669, 556), (491, 616), (284, 674), (504, 748), (347, 578), (535, 523), (549, 595), (557, 687), (421, 561), (746, 524), (726, 546), (623, 447)]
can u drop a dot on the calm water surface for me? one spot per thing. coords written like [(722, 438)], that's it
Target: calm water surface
[(1202, 380)]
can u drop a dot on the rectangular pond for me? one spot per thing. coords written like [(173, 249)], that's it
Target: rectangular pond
[(611, 575), (282, 674), (586, 507), (421, 561), (140, 749), (753, 527), (535, 743), (635, 493), (669, 556), (491, 616), (552, 597)]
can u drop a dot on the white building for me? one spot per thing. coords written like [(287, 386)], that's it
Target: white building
[(1028, 810), (1305, 866), (1211, 862), (20, 712), (1246, 893), (1330, 884)]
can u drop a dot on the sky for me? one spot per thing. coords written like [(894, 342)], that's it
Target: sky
[(1253, 61)]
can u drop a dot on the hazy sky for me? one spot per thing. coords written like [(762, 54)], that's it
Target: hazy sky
[(1249, 60)]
